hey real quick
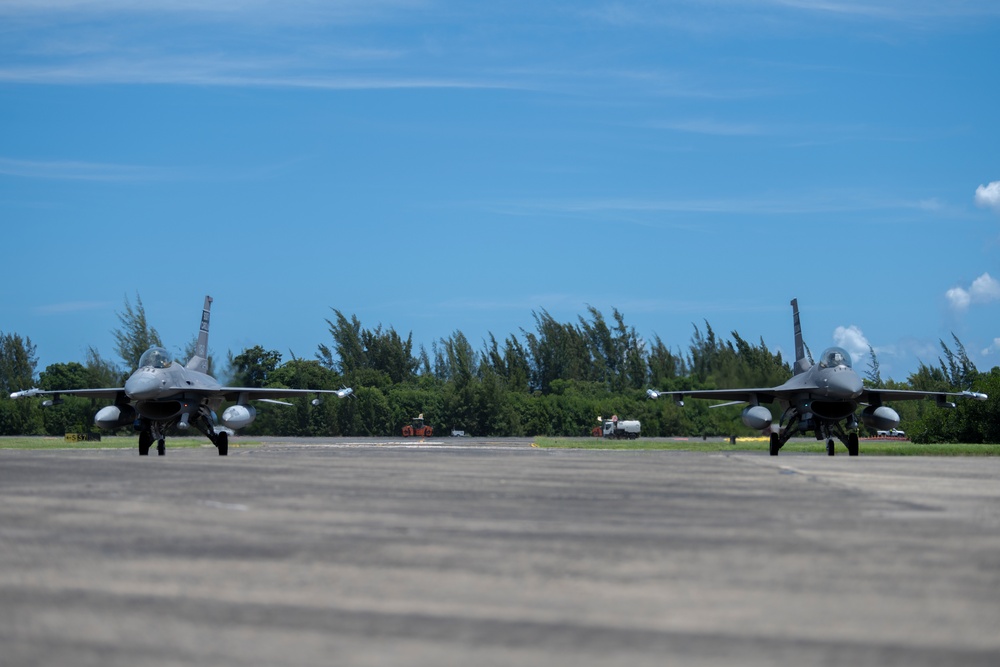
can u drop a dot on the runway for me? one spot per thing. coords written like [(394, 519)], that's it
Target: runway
[(472, 552)]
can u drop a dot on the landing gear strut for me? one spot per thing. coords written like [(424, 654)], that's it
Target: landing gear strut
[(222, 443), (852, 444), (145, 440)]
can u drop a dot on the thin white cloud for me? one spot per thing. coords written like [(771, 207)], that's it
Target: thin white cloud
[(984, 289), (255, 71), (76, 171), (901, 11), (853, 340), (790, 204), (698, 16), (988, 196), (288, 10), (993, 348), (712, 127)]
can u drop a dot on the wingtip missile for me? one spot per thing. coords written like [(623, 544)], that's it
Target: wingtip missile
[(975, 395), (652, 393), (26, 393)]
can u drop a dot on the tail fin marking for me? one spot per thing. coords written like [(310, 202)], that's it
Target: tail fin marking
[(801, 363), (199, 362)]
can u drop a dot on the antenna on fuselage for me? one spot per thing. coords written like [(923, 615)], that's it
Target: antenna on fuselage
[(199, 362), (801, 363)]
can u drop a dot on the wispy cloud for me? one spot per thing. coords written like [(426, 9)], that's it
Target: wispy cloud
[(246, 10), (712, 127), (727, 15), (249, 43), (899, 11), (791, 204), (77, 171), (161, 73)]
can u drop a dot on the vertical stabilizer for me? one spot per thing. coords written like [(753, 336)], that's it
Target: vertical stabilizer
[(801, 363), (199, 362)]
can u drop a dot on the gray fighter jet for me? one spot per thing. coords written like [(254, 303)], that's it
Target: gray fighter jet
[(162, 396), (822, 398)]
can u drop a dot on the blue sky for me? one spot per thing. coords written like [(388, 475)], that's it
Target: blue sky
[(441, 166)]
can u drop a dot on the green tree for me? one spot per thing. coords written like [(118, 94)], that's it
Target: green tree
[(356, 348), (254, 366), (556, 351), (103, 373), (135, 335), (873, 375), (65, 376), (17, 363), (17, 371), (303, 374), (965, 423)]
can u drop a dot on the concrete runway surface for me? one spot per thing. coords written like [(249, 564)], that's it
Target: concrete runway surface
[(474, 552)]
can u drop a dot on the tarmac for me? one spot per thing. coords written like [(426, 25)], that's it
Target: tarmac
[(491, 552)]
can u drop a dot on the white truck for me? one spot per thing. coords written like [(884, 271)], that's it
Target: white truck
[(619, 428)]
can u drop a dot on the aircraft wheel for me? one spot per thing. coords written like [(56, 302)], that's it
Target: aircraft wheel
[(775, 444), (852, 444), (161, 447), (222, 442), (145, 440), (829, 447)]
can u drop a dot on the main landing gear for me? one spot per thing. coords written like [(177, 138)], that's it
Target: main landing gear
[(851, 441), (146, 439), (222, 443), (156, 432), (778, 441)]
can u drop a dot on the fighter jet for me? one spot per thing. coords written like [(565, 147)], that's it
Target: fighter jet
[(161, 395), (822, 398)]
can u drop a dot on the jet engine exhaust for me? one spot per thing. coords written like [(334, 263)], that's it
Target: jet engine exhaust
[(834, 410)]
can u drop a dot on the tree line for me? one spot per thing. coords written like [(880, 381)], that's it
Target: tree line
[(554, 379)]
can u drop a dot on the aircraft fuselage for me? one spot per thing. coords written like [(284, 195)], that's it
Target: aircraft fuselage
[(829, 393)]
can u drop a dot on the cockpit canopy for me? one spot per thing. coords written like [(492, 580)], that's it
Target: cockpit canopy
[(835, 356), (155, 357)]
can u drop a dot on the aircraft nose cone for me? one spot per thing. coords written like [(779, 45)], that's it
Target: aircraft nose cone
[(845, 385), (142, 385)]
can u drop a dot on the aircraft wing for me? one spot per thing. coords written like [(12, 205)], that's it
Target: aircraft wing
[(270, 393), (769, 394), (879, 396), (747, 395), (228, 393), (105, 392)]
